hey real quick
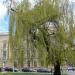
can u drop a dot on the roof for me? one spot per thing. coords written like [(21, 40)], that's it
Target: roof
[(4, 33)]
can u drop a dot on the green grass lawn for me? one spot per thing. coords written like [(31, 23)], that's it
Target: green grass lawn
[(25, 74)]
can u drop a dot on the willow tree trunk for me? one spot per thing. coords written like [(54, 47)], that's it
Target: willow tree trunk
[(57, 70)]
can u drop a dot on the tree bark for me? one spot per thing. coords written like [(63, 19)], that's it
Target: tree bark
[(57, 70)]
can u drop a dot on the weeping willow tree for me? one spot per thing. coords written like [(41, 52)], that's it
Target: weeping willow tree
[(23, 20), (30, 33), (51, 44)]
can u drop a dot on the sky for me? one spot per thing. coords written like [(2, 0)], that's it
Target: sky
[(4, 18)]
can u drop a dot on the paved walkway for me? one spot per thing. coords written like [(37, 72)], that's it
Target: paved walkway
[(71, 72)]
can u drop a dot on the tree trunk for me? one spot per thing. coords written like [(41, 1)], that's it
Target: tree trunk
[(57, 70)]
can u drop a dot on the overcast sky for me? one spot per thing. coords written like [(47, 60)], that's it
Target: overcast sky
[(4, 19)]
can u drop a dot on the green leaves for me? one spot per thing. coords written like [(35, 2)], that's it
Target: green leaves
[(22, 21), (47, 44)]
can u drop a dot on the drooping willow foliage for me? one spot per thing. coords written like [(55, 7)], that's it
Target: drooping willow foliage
[(30, 37), (24, 24)]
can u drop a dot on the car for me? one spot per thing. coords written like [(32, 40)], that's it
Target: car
[(0, 69), (27, 70), (15, 70), (8, 69), (71, 69), (42, 70)]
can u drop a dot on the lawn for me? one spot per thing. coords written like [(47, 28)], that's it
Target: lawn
[(25, 74)]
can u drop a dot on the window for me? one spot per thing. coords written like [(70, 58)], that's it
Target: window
[(4, 50), (4, 55)]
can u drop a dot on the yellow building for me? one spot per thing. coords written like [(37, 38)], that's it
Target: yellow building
[(4, 51), (5, 54)]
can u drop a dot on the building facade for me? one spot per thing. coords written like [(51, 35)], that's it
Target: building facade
[(4, 50)]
